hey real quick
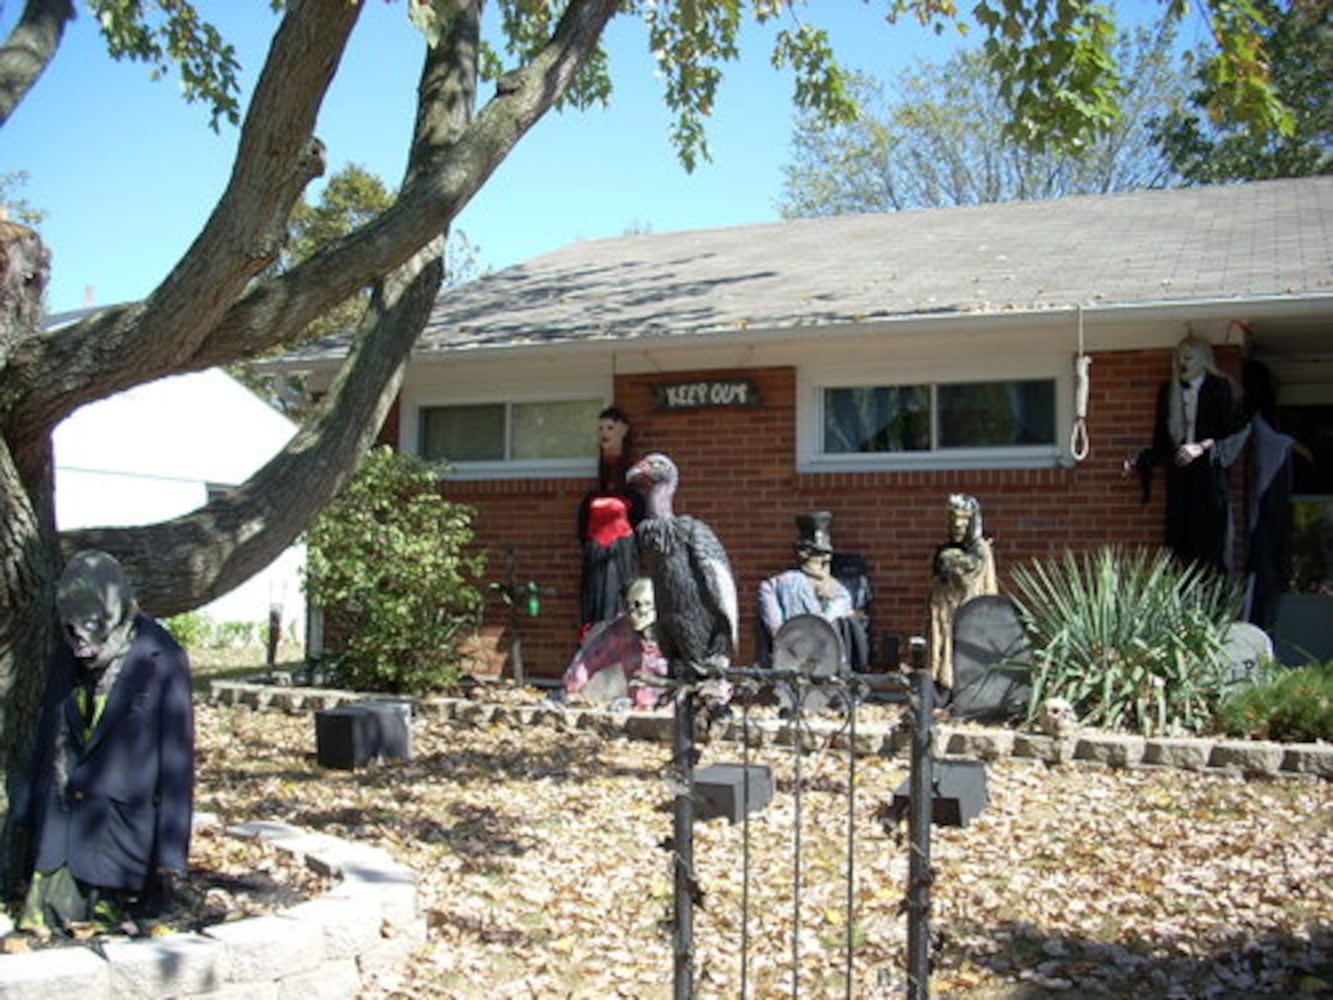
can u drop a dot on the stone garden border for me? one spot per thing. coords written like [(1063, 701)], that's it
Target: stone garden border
[(1245, 758), (328, 946)]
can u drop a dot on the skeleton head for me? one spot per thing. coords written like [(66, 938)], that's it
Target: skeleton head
[(1057, 717), (641, 604)]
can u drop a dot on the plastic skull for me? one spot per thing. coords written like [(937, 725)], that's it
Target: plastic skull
[(641, 604), (1057, 717)]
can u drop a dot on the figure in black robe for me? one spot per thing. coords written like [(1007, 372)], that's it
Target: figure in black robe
[(1268, 498)]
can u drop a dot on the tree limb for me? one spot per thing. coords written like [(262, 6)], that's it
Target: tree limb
[(276, 158), (29, 49)]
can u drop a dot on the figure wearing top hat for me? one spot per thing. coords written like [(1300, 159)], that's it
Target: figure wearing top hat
[(809, 588)]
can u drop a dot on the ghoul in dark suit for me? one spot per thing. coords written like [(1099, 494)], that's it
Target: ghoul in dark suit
[(1199, 432), (113, 792)]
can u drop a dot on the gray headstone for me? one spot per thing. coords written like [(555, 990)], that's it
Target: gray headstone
[(810, 645), (1246, 647), (991, 660)]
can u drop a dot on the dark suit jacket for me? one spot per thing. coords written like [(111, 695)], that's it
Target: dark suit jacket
[(1197, 495), (126, 809)]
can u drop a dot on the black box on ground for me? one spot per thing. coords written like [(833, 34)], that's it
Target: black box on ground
[(352, 736), (721, 790), (958, 792)]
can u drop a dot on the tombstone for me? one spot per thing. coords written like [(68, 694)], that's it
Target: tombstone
[(1244, 649), (809, 645), (991, 661)]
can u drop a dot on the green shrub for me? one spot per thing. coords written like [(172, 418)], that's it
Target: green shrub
[(192, 630), (388, 563), (1130, 637), (228, 635), (1281, 703)]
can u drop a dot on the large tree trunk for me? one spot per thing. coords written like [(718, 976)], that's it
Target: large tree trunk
[(28, 552), (211, 310)]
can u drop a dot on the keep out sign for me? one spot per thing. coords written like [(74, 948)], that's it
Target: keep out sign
[(707, 393)]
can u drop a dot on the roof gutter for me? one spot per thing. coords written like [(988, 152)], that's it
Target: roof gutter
[(996, 319)]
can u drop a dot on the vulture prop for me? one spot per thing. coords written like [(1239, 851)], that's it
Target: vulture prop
[(692, 581)]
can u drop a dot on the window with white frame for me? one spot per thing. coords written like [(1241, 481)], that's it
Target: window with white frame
[(532, 433), (927, 423)]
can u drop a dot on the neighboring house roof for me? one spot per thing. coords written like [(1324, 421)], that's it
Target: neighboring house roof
[(1268, 242)]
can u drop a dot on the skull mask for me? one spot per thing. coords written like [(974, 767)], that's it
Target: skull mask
[(96, 606), (642, 606), (1057, 717)]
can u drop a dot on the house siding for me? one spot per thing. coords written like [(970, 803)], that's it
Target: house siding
[(738, 473)]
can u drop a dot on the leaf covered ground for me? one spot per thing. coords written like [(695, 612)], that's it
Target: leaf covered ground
[(542, 871)]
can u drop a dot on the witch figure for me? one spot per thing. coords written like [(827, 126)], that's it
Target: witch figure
[(607, 516)]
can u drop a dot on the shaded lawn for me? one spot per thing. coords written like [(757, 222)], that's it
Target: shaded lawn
[(542, 871)]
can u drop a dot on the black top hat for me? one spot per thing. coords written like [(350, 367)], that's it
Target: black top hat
[(813, 532)]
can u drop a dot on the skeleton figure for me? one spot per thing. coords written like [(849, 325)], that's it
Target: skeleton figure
[(1057, 717), (617, 657)]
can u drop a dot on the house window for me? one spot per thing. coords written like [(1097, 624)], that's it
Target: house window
[(936, 417), (514, 432)]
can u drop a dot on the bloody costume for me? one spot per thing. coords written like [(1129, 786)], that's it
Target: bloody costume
[(607, 516)]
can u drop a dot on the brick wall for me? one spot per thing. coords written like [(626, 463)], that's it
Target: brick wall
[(737, 473)]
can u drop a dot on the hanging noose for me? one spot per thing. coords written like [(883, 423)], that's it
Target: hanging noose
[(1078, 434)]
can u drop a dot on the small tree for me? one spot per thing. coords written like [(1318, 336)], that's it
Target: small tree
[(389, 563)]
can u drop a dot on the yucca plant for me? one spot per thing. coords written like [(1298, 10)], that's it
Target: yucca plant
[(1133, 639)]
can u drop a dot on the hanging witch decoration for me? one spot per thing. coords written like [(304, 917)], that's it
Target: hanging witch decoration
[(607, 516)]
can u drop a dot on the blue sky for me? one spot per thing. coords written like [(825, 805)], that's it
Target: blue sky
[(127, 171)]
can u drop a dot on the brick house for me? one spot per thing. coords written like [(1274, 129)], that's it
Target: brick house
[(744, 353)]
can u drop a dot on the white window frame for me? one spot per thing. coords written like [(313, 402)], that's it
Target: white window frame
[(814, 379), (414, 401)]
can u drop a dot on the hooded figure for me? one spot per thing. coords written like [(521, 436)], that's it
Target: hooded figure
[(113, 790), (963, 568)]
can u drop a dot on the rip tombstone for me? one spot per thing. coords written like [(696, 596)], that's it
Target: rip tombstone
[(991, 660), (1245, 648)]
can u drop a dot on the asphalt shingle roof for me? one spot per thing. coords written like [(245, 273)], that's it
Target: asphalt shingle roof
[(1212, 244)]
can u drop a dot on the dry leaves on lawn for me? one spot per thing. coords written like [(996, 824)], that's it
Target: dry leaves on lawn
[(542, 871)]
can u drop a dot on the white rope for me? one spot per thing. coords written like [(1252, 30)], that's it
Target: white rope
[(1078, 434)]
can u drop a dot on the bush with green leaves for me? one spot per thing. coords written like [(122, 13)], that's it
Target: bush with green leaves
[(192, 629), (1133, 639), (1292, 705), (389, 562)]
